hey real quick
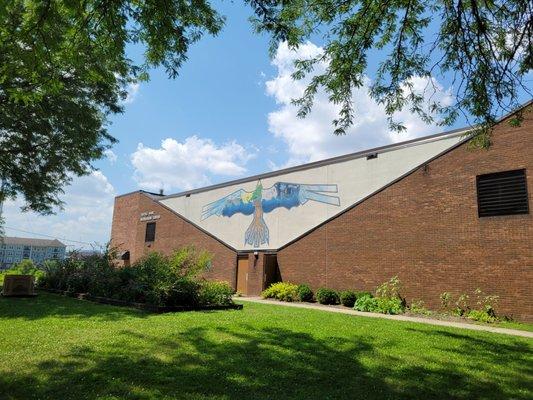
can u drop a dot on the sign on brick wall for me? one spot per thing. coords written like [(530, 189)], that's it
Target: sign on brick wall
[(149, 216)]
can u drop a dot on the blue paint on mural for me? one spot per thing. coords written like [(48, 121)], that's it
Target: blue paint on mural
[(259, 201)]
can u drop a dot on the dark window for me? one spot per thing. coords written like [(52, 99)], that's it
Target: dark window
[(150, 232), (502, 193)]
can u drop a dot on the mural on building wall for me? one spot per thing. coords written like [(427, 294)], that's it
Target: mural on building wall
[(259, 201)]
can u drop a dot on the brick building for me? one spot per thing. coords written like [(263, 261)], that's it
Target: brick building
[(440, 215)]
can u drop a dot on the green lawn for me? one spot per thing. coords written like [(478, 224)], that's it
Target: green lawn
[(59, 348), (513, 325)]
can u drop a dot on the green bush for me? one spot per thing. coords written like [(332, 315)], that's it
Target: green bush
[(156, 279), (181, 292), (418, 307), (483, 309), (362, 294), (348, 298), (485, 306), (215, 293), (445, 299), (482, 316), (305, 293), (389, 305), (389, 289), (462, 305), (283, 291), (25, 267), (366, 303), (327, 296), (387, 300)]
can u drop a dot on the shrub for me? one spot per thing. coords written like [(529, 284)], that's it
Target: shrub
[(348, 298), (25, 267), (418, 307), (361, 294), (215, 293), (283, 291), (481, 316), (305, 293), (366, 303), (154, 279), (181, 292), (445, 299), (387, 300), (327, 296), (484, 310), (462, 307), (389, 289), (486, 303), (389, 305)]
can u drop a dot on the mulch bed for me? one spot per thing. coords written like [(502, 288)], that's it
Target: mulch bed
[(142, 306)]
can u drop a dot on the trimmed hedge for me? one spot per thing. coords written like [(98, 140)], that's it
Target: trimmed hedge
[(348, 298), (283, 291), (305, 293), (327, 296)]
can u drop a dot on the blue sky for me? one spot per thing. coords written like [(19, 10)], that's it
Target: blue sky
[(227, 115), (219, 95)]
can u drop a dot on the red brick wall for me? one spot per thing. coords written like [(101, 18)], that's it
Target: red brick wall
[(426, 230), (172, 232)]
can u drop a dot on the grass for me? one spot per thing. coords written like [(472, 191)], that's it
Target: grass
[(521, 326), (60, 348)]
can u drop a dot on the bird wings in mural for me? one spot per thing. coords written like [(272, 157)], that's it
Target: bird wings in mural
[(259, 201)]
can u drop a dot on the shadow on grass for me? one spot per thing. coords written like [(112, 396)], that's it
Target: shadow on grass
[(243, 362), (51, 305), (485, 350)]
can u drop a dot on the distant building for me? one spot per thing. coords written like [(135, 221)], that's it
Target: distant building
[(15, 249)]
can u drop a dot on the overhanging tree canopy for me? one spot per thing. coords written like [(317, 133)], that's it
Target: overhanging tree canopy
[(485, 46), (64, 67)]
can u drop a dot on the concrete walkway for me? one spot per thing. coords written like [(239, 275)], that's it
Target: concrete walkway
[(427, 321)]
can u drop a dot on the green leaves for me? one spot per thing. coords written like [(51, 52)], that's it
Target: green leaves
[(484, 47), (64, 70)]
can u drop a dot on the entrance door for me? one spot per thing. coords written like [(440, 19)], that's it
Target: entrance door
[(271, 270), (242, 274)]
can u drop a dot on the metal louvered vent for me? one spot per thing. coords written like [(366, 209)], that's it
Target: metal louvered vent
[(502, 193)]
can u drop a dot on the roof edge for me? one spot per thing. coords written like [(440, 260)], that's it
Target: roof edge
[(327, 161), (140, 191), (177, 214), (332, 160)]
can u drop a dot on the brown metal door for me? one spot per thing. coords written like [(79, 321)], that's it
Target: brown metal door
[(271, 270), (242, 275)]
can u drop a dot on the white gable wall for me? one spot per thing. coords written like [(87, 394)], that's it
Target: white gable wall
[(355, 179)]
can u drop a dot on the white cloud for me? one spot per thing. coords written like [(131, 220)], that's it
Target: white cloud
[(312, 138), (188, 164), (86, 216), (111, 156), (133, 90)]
